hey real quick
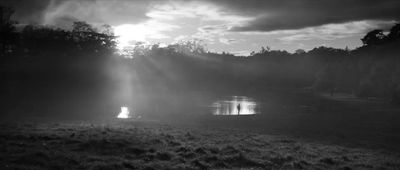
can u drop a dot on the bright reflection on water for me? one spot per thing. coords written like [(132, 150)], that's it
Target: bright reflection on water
[(124, 114), (235, 105)]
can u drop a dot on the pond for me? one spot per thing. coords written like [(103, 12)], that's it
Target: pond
[(235, 105)]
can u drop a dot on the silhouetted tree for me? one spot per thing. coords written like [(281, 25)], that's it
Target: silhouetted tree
[(43, 42), (82, 27), (300, 51), (394, 33), (373, 37), (8, 35), (193, 46), (89, 41)]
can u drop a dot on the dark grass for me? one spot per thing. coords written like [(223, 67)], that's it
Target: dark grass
[(150, 145)]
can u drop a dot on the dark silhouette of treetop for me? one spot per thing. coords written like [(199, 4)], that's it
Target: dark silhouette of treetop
[(8, 35), (394, 33), (373, 37), (81, 26)]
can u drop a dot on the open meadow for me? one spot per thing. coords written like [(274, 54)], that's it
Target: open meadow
[(130, 144)]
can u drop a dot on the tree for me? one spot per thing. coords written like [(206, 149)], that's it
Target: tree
[(265, 49), (81, 26), (89, 40), (373, 37), (108, 39), (300, 51), (8, 35), (194, 46), (107, 30), (394, 32)]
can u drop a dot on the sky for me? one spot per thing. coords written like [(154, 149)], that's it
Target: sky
[(235, 26)]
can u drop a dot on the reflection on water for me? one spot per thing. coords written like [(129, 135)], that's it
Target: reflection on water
[(124, 114), (235, 105)]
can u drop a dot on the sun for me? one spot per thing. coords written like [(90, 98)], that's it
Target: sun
[(129, 33)]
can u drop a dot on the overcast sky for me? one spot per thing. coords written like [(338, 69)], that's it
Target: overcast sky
[(237, 26)]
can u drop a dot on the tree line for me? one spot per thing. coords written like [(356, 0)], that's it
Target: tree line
[(44, 69), (372, 70)]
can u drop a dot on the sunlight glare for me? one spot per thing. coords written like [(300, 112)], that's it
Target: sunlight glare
[(129, 34), (124, 114), (246, 105)]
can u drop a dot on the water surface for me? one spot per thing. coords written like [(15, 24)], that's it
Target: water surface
[(235, 105)]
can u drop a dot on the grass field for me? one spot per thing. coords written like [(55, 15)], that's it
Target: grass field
[(128, 144)]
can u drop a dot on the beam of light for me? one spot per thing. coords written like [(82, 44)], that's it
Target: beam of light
[(124, 114)]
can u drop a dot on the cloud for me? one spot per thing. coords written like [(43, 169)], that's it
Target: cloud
[(98, 11), (31, 11), (60, 12), (332, 31), (211, 33), (193, 9), (227, 41), (285, 22), (215, 29), (271, 15), (241, 53), (180, 38), (249, 15), (117, 12)]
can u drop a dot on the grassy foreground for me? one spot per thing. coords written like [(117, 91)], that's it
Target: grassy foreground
[(150, 145)]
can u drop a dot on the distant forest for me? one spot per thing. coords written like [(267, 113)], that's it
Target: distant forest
[(49, 62)]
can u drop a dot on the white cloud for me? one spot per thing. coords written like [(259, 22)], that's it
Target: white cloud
[(95, 12), (241, 53), (202, 12), (227, 41), (180, 38), (194, 9), (332, 31), (164, 17), (174, 21)]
